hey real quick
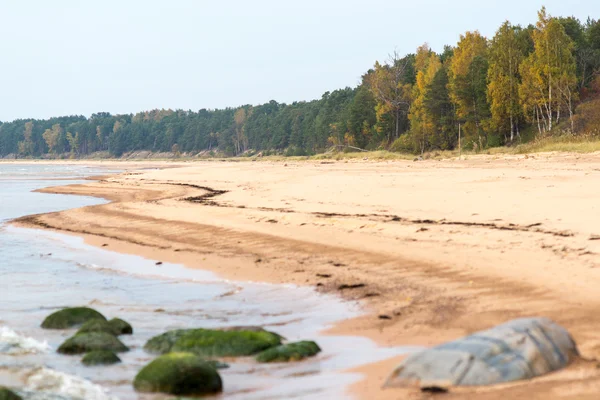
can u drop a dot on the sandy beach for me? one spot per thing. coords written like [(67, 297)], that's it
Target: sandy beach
[(433, 250)]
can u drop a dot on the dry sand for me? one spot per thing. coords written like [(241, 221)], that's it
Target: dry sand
[(434, 249)]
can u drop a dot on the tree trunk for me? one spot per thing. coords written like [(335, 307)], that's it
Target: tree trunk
[(550, 103), (537, 113), (397, 124), (570, 97)]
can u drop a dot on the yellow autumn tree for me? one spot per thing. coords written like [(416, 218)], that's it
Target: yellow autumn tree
[(51, 137), (240, 140), (26, 145), (427, 64), (506, 56), (467, 85), (388, 85), (549, 77)]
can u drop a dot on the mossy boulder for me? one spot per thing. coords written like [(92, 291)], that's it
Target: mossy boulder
[(289, 352), (115, 327), (100, 357), (178, 374), (96, 325), (120, 327), (217, 364), (71, 317), (213, 343), (92, 341), (7, 394)]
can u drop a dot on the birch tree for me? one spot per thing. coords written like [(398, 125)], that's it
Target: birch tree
[(468, 84), (427, 64), (506, 55), (549, 79)]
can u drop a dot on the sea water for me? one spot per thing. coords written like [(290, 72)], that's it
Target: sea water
[(41, 272)]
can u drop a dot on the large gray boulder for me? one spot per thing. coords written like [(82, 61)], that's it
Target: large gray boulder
[(519, 349)]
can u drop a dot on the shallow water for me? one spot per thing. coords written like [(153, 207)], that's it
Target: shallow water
[(43, 271)]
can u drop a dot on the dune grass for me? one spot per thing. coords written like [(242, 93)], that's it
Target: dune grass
[(569, 143)]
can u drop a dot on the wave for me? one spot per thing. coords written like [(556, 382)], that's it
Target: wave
[(13, 343), (46, 381)]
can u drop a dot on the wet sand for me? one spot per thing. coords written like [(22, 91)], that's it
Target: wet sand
[(433, 250)]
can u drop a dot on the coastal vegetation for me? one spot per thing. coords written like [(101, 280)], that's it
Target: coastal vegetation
[(526, 83)]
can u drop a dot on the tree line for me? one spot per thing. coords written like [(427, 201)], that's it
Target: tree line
[(479, 93)]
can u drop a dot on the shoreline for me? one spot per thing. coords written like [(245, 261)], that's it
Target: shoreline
[(281, 232)]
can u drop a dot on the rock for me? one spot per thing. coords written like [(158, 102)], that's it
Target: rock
[(289, 352), (70, 317), (115, 327), (96, 325), (519, 349), (217, 364), (213, 343), (178, 374), (7, 394), (120, 327), (86, 342), (251, 328), (100, 357)]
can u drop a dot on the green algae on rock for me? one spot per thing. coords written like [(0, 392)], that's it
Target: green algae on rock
[(96, 325), (92, 341), (120, 327), (7, 394), (213, 343), (178, 374), (100, 357), (289, 352), (216, 364), (71, 317), (115, 327)]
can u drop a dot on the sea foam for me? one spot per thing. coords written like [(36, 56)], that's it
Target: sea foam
[(13, 343), (49, 381)]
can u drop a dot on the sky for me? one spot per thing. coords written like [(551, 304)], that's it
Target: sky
[(67, 57)]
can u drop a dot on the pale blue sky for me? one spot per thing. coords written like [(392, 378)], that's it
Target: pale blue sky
[(65, 57)]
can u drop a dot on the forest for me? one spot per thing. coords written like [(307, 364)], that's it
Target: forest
[(522, 83)]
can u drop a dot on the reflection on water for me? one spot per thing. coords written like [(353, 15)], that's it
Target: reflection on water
[(44, 271)]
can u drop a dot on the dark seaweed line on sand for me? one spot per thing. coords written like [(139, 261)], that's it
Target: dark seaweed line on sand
[(34, 220), (205, 199), (208, 200)]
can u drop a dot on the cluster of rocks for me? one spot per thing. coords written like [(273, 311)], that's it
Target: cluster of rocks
[(97, 337), (186, 362), (187, 359)]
